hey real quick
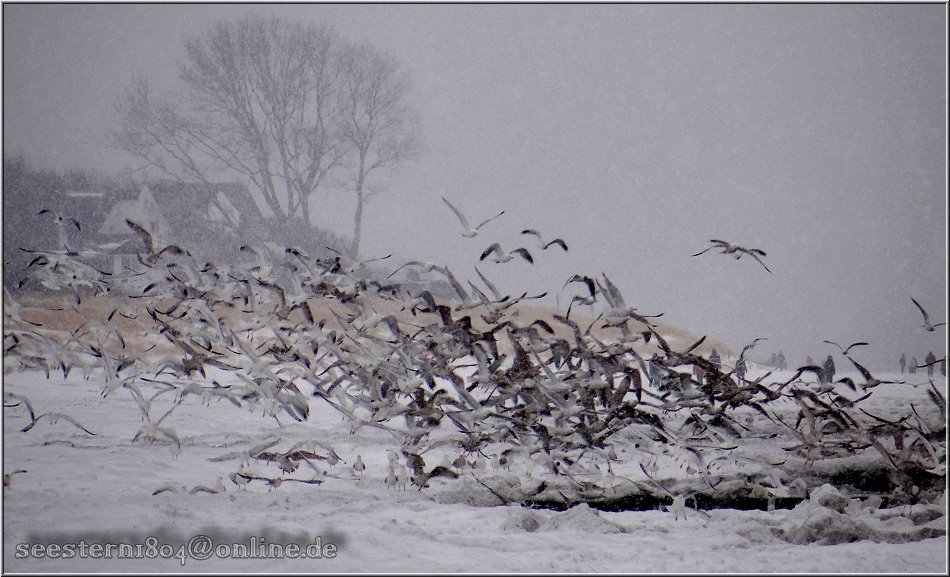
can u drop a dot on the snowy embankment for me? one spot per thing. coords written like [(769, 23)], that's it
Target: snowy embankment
[(100, 489)]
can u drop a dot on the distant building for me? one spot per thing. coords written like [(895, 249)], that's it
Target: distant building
[(173, 212)]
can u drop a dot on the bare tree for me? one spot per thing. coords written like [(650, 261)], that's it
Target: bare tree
[(259, 101), (377, 123)]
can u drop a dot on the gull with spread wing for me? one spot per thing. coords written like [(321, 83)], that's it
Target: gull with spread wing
[(469, 232)]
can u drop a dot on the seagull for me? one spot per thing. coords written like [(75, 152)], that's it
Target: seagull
[(59, 219), (359, 466), (736, 250), (469, 232), (870, 382), (53, 419), (8, 477), (217, 488), (500, 255), (154, 254), (844, 351), (588, 281), (544, 245), (927, 325)]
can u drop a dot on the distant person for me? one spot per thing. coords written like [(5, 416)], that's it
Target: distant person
[(781, 361), (740, 369), (930, 360), (773, 360), (902, 362), (715, 360), (912, 367), (828, 373)]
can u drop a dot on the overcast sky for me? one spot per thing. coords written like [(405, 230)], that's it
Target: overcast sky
[(637, 133)]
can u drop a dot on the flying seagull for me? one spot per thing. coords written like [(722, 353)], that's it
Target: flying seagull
[(870, 381), (8, 477), (544, 245), (736, 250), (59, 219), (588, 281), (53, 418), (927, 325), (469, 232), (501, 256), (844, 351), (154, 253)]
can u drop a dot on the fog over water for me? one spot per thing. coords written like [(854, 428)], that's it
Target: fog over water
[(637, 133)]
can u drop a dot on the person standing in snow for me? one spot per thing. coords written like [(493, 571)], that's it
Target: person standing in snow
[(781, 361), (902, 362), (740, 369), (715, 360), (912, 367), (930, 360), (829, 372)]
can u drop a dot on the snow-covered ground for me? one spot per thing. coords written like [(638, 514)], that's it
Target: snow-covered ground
[(99, 489)]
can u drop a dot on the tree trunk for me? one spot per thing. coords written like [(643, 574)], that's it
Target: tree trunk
[(358, 215)]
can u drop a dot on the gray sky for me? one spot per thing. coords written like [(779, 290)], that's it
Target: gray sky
[(636, 132)]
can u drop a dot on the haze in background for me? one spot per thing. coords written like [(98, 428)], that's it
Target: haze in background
[(635, 132)]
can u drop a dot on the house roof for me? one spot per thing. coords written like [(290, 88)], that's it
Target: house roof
[(91, 208)]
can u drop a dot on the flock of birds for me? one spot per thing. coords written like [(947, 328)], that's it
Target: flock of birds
[(464, 377)]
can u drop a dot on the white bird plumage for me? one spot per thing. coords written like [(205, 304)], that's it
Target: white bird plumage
[(469, 231)]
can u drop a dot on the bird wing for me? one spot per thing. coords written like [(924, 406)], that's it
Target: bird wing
[(458, 213), (524, 254), (590, 285), (76, 423), (558, 241), (756, 257), (412, 262), (256, 450), (491, 287), (377, 258), (487, 220), (481, 296), (614, 298), (835, 344), (21, 399), (852, 345), (532, 231), (864, 372), (146, 236), (702, 251), (495, 247), (922, 311), (56, 416)]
